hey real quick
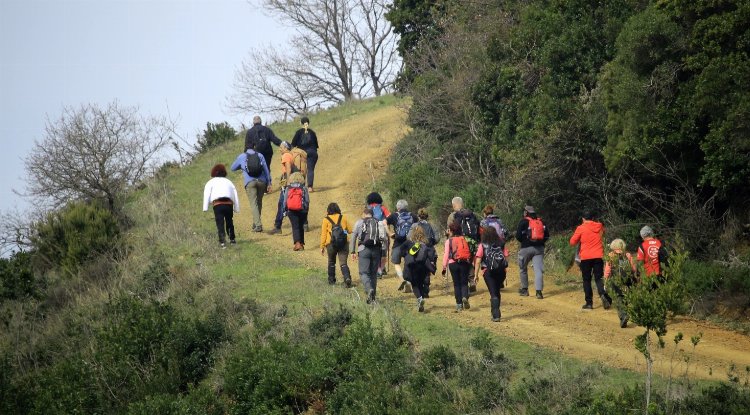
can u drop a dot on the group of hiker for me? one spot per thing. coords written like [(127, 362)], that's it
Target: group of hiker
[(473, 247)]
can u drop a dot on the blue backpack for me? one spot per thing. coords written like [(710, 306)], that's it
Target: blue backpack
[(403, 224), (377, 212)]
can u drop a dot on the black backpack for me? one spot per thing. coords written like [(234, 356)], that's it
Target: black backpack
[(261, 142), (370, 233), (494, 258), (305, 141), (253, 166), (469, 223), (417, 259), (338, 235)]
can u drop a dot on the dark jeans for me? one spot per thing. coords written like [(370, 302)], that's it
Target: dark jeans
[(342, 255), (369, 260), (298, 218), (593, 268), (418, 280), (495, 280), (312, 159), (460, 275), (268, 157), (224, 220), (279, 211)]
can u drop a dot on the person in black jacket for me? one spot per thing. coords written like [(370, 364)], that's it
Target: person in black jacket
[(532, 251), (306, 139), (259, 138)]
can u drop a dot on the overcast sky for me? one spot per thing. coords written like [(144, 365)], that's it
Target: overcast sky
[(166, 56)]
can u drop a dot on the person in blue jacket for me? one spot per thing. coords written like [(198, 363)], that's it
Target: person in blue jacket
[(257, 181)]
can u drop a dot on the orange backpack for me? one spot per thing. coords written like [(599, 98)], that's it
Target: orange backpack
[(459, 249), (536, 229)]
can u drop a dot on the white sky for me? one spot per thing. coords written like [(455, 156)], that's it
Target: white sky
[(166, 56)]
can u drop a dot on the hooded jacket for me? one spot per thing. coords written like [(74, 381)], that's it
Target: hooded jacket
[(590, 235)]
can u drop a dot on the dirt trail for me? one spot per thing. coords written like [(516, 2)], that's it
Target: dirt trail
[(354, 153)]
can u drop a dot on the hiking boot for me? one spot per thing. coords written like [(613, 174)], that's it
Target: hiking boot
[(233, 242), (331, 281), (459, 307), (371, 297), (348, 283), (472, 288), (257, 228), (465, 303), (407, 288), (623, 320), (523, 292), (223, 245), (587, 307), (298, 246), (606, 302), (275, 231), (539, 295), (402, 285), (306, 228), (495, 309), (420, 304)]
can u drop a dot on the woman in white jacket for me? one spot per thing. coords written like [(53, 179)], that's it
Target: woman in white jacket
[(221, 193)]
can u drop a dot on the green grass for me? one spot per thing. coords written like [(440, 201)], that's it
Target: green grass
[(186, 237)]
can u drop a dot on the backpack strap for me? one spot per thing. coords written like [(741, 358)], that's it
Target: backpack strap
[(338, 222), (331, 220)]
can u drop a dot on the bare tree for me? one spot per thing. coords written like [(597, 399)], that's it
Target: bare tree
[(342, 50), (376, 44), (94, 153)]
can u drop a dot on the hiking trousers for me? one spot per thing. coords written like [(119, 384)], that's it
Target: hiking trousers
[(298, 219), (255, 191), (369, 260), (279, 210), (460, 274), (418, 279), (224, 214), (535, 256), (593, 268), (312, 160), (495, 280), (342, 254)]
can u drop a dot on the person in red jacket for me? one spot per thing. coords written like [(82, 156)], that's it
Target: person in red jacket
[(652, 254), (590, 234)]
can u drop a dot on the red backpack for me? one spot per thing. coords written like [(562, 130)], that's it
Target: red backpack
[(536, 229), (459, 249), (294, 198)]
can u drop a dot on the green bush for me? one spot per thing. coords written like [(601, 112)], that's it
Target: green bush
[(215, 135), (74, 235), (198, 401), (705, 278), (17, 278)]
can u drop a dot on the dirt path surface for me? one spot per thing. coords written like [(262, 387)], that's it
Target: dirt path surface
[(355, 152)]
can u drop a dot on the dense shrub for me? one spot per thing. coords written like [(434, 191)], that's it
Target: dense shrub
[(77, 233), (215, 135), (17, 278)]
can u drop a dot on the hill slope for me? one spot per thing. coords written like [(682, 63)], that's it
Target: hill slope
[(353, 155)]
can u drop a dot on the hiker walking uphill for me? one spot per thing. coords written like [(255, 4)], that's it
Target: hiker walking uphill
[(532, 234), (366, 245), (469, 229), (220, 193), (653, 255), (257, 182), (457, 257), (306, 139), (260, 137), (401, 221), (296, 205), (590, 234), (621, 272), (380, 212), (420, 261), (492, 220), (432, 240), (289, 165), (491, 263), (334, 241)]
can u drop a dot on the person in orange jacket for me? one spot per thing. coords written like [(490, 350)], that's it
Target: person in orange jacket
[(590, 235)]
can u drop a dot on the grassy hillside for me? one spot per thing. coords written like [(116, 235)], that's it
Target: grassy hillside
[(180, 326)]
